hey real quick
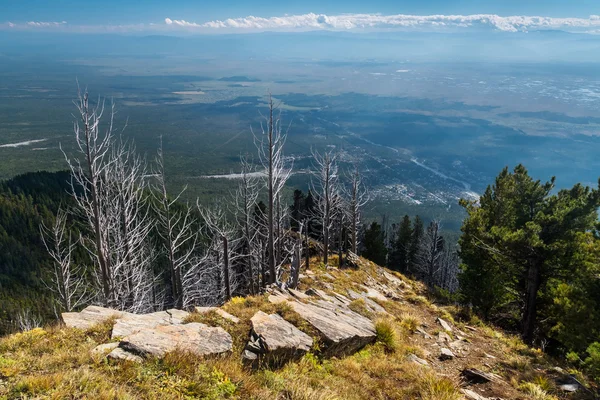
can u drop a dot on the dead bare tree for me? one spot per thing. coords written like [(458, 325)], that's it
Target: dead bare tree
[(108, 187), (176, 229), (222, 236), (356, 197), (93, 145), (68, 282), (431, 253), (326, 189), (270, 151), (130, 223), (245, 199)]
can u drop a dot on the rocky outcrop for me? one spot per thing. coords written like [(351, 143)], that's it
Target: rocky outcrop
[(274, 341), (90, 317), (128, 324), (342, 330), (195, 338)]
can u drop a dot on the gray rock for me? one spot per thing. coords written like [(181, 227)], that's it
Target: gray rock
[(473, 375), (196, 338), (274, 341), (222, 313), (103, 349), (120, 354), (446, 326), (90, 317), (446, 354), (417, 360), (128, 324), (342, 330)]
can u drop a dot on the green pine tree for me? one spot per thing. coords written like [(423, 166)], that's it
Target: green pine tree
[(399, 254), (518, 239), (374, 244)]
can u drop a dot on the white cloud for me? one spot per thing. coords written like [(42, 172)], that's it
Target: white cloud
[(182, 23), (400, 21), (46, 24), (340, 22)]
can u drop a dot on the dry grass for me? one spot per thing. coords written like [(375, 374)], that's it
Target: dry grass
[(56, 363)]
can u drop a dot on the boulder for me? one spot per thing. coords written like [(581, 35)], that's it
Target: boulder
[(473, 375), (446, 326), (342, 330), (222, 313), (90, 316), (195, 338), (446, 354), (120, 354), (128, 324), (274, 341)]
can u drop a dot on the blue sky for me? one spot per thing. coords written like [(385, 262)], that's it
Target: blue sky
[(129, 12), (138, 11)]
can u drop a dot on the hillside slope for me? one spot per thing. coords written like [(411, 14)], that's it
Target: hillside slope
[(405, 362)]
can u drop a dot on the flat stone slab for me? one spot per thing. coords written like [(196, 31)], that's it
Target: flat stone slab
[(90, 317), (273, 340), (222, 313), (196, 338), (131, 323), (343, 330)]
